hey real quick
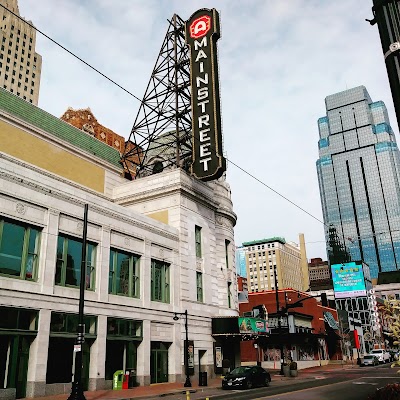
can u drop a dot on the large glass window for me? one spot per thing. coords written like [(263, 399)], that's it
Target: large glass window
[(69, 261), (197, 232), (124, 274), (19, 248), (159, 281), (199, 285)]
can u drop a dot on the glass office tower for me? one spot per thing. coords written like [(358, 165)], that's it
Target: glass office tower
[(359, 179)]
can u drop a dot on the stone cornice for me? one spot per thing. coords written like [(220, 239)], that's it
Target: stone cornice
[(73, 200)]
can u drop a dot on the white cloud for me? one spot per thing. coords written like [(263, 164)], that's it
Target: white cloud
[(278, 62)]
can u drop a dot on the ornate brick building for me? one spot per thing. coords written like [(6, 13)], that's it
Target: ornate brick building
[(85, 120)]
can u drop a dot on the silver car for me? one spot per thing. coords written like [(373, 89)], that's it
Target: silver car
[(369, 359)]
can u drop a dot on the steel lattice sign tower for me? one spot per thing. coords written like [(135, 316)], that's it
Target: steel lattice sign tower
[(202, 31)]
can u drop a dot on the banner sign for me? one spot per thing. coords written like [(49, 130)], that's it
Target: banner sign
[(252, 325), (348, 280), (202, 31)]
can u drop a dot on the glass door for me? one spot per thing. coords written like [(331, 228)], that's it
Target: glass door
[(158, 363)]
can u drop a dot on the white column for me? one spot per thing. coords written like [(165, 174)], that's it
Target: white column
[(47, 262), (102, 267), (38, 353), (143, 355), (98, 356)]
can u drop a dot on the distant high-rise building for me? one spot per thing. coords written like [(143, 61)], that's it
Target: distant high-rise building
[(359, 179), (20, 65), (320, 274), (240, 263), (265, 256), (387, 16)]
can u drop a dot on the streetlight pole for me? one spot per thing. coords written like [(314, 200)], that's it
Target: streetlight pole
[(175, 318), (77, 389), (279, 319)]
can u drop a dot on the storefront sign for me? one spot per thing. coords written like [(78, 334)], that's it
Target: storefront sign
[(348, 280), (202, 32), (190, 354), (252, 325), (218, 357)]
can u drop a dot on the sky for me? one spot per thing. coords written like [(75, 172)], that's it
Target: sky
[(278, 60)]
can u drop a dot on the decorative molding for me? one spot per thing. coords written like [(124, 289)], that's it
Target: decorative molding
[(54, 212), (127, 241), (20, 208), (199, 264), (72, 200), (79, 226)]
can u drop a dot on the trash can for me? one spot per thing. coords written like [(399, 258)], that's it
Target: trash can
[(202, 378), (118, 379)]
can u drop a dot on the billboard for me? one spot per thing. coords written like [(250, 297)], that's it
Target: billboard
[(252, 325), (348, 280), (202, 31)]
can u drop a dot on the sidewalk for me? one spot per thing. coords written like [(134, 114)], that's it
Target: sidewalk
[(173, 390)]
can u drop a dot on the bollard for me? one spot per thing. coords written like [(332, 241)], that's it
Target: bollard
[(187, 395)]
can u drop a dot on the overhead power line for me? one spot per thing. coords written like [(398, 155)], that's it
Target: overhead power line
[(141, 101)]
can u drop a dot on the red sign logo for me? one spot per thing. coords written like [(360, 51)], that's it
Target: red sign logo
[(200, 26)]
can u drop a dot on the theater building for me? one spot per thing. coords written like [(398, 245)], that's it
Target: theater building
[(156, 245)]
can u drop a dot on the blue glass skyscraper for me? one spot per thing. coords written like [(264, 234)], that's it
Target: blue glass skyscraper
[(359, 179)]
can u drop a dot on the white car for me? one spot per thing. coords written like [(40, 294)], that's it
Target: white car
[(382, 355)]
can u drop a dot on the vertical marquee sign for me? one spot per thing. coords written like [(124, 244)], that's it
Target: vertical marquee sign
[(202, 32)]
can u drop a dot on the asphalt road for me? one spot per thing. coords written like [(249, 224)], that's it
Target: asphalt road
[(341, 384), (352, 384)]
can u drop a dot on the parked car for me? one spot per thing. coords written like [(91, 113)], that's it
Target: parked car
[(382, 355), (369, 359), (246, 377)]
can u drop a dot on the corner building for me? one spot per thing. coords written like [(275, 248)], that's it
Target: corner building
[(20, 65), (157, 245), (358, 174)]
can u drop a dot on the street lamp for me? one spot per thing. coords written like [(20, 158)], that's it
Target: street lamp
[(279, 319), (77, 389), (176, 318)]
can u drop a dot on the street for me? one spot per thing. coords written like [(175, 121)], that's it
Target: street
[(344, 384)]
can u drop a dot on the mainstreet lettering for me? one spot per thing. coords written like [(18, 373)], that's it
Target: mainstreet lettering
[(202, 31)]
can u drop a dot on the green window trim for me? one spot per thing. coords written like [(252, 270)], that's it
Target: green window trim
[(160, 286), (124, 274), (19, 250), (199, 286), (65, 324), (125, 329), (227, 243), (229, 295), (69, 253), (197, 234)]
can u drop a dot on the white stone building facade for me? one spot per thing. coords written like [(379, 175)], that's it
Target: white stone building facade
[(129, 311)]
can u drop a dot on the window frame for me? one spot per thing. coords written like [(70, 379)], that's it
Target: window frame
[(199, 287), (90, 264), (227, 243), (163, 294), (133, 274), (197, 239), (25, 249)]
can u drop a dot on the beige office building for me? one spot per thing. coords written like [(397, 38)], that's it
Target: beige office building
[(289, 260), (20, 65)]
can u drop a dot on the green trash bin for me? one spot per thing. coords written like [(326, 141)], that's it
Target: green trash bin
[(118, 378)]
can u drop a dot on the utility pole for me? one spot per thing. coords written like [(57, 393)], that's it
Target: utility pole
[(279, 320), (77, 388)]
